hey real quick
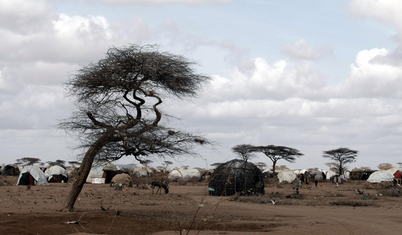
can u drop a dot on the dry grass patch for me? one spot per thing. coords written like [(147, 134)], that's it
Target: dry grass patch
[(351, 203), (392, 192)]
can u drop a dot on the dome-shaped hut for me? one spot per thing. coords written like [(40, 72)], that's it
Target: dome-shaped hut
[(236, 176)]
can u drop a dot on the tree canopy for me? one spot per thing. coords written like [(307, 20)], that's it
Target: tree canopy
[(276, 153), (244, 151), (341, 157), (27, 161), (119, 113)]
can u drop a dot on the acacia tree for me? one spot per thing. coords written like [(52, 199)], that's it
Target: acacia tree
[(165, 165), (384, 166), (118, 108), (341, 157), (276, 153), (73, 163), (27, 161), (244, 151)]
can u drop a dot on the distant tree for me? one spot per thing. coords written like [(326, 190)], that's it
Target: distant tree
[(276, 153), (185, 167), (74, 163), (160, 169), (146, 162), (51, 163), (362, 168), (165, 164), (341, 156), (244, 151), (27, 161), (118, 108), (132, 165), (60, 162), (384, 166), (261, 165)]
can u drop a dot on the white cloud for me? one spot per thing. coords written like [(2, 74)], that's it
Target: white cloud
[(82, 28), (23, 16), (385, 11), (302, 51), (371, 79), (34, 107), (5, 86), (278, 81)]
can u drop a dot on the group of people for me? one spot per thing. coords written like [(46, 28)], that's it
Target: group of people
[(304, 179)]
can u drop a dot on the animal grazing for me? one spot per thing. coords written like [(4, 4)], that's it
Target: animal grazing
[(360, 192), (159, 185)]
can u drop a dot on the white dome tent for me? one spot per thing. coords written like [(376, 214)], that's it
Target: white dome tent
[(177, 174), (56, 174), (286, 175), (380, 176)]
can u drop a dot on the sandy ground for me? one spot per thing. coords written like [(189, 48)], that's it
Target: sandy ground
[(187, 209)]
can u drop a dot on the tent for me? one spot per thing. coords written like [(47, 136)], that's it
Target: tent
[(109, 171), (177, 174), (329, 174), (380, 176), (32, 175), (94, 173), (393, 170), (56, 174), (317, 175), (236, 176), (123, 179), (106, 171), (286, 175), (11, 170), (142, 172)]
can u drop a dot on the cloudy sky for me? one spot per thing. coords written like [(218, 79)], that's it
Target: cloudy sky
[(312, 75)]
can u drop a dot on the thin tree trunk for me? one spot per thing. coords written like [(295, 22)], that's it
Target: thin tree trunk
[(84, 170)]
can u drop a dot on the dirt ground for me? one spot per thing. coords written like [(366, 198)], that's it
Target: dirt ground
[(187, 209)]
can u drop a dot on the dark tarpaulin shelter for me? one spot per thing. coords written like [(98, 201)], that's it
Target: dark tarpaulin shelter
[(109, 171), (11, 170), (236, 176)]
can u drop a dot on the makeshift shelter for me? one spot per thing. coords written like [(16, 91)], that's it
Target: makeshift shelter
[(56, 174), (286, 175), (32, 175), (102, 172), (109, 171), (317, 175), (236, 176), (358, 174), (123, 179), (338, 179), (181, 174), (329, 174), (11, 170), (96, 172), (142, 172), (380, 176)]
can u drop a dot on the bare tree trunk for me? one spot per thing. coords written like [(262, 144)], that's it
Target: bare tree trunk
[(84, 170), (273, 171)]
